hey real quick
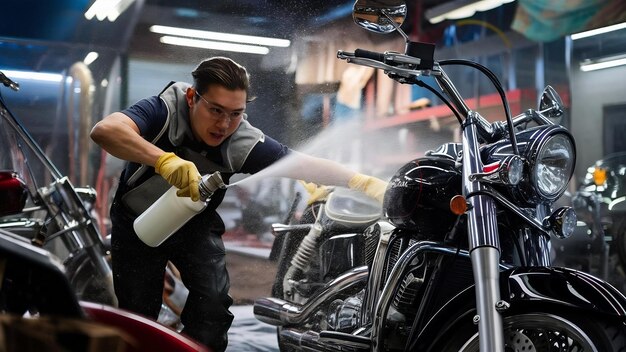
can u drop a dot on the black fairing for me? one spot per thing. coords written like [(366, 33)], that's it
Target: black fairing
[(418, 195)]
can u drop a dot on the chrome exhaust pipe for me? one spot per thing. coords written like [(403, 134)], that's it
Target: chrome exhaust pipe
[(278, 312), (324, 341), (305, 341), (275, 311)]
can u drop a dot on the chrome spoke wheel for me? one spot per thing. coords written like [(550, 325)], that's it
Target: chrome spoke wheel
[(541, 333)]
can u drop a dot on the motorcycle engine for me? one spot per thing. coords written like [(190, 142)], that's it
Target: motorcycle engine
[(344, 315)]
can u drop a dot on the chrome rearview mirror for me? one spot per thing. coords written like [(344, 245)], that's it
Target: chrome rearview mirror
[(380, 16), (551, 105)]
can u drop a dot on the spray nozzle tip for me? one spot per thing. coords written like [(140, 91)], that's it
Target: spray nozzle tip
[(210, 183)]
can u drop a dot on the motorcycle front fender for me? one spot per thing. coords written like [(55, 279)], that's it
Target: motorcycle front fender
[(562, 287), (531, 288)]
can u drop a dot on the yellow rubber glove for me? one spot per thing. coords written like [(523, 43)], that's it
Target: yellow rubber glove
[(372, 186), (316, 192), (180, 173)]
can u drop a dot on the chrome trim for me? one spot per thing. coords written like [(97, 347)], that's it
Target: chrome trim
[(536, 249), (530, 220), (278, 312), (374, 283), (396, 275), (484, 243), (482, 224), (487, 277)]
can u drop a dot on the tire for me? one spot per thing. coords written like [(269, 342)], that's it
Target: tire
[(547, 332)]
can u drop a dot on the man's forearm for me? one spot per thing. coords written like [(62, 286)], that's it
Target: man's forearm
[(123, 141), (317, 170)]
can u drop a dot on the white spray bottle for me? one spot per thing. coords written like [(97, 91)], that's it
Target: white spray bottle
[(170, 212)]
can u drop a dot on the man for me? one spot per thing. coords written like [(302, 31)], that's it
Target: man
[(160, 136)]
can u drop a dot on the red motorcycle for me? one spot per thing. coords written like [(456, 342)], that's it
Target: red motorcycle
[(55, 278), (36, 294)]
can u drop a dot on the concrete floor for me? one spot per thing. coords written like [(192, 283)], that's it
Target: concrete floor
[(251, 277)]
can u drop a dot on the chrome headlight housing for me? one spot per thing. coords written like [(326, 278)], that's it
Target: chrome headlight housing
[(551, 156)]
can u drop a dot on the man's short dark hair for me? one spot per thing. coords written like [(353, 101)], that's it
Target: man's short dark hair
[(222, 71)]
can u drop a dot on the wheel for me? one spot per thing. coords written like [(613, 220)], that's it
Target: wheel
[(548, 332)]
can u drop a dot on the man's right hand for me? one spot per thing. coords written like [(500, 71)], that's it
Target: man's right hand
[(180, 173)]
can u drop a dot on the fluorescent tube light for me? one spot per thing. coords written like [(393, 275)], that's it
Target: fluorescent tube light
[(597, 31), (91, 57), (461, 9), (592, 65), (224, 37), (206, 44), (37, 76), (110, 9)]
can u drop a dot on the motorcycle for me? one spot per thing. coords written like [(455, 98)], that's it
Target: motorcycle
[(459, 258), (42, 205), (58, 262), (40, 308), (599, 246)]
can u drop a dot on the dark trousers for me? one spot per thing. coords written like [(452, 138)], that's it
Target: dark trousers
[(198, 253)]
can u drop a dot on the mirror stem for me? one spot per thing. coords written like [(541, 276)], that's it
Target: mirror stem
[(396, 26)]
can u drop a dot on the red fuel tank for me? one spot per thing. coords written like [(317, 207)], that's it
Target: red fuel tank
[(12, 193)]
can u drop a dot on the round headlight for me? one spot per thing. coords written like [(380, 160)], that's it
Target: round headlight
[(554, 166)]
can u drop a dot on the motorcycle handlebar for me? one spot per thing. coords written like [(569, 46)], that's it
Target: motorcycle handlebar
[(531, 115), (369, 55), (7, 82), (404, 67)]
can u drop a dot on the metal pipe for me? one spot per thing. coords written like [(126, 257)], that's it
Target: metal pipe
[(395, 278), (375, 281), (306, 340), (278, 312), (484, 243), (29, 140), (81, 73)]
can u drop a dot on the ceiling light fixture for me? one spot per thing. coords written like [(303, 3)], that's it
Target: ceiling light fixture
[(91, 57), (224, 37), (598, 64), (110, 9), (36, 76), (458, 9), (207, 44), (602, 30)]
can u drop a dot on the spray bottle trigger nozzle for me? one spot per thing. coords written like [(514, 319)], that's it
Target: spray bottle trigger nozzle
[(210, 183)]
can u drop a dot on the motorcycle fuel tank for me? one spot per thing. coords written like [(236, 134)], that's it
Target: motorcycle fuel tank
[(12, 193), (418, 196)]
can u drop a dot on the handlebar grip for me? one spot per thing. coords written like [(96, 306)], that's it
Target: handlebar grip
[(369, 55)]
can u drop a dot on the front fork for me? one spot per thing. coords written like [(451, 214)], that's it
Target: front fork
[(484, 244)]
